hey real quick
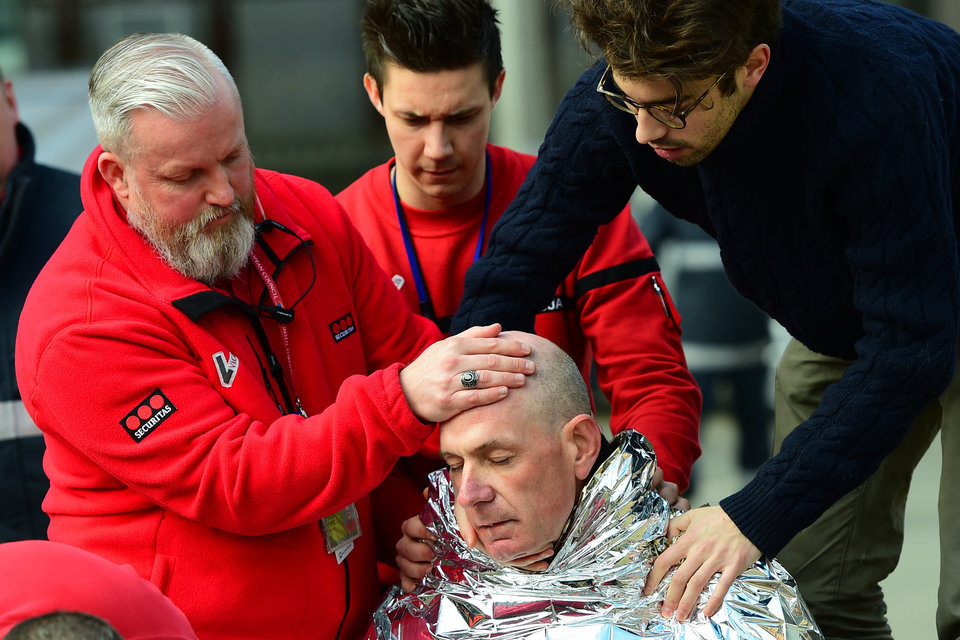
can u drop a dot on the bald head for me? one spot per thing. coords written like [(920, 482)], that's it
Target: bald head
[(551, 396), (517, 466)]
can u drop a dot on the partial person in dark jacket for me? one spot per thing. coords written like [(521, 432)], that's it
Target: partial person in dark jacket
[(819, 143), (37, 206)]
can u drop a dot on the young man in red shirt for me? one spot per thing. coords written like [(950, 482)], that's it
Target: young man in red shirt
[(435, 74)]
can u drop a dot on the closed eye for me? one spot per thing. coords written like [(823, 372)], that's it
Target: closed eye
[(182, 179), (462, 118), (415, 121)]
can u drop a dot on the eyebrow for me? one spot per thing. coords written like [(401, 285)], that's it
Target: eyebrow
[(175, 165), (486, 446), (669, 100), (679, 97), (462, 112)]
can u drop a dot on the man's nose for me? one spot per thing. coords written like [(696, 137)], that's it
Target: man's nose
[(437, 143), (473, 488), (649, 129), (220, 192)]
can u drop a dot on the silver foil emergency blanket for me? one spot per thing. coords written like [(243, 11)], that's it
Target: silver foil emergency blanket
[(593, 586)]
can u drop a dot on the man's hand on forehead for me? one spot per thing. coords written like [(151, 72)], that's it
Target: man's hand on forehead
[(434, 383)]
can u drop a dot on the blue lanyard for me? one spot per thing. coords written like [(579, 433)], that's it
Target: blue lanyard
[(426, 304)]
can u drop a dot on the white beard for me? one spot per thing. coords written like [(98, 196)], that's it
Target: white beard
[(207, 256)]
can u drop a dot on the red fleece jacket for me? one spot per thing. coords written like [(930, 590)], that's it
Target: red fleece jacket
[(167, 447)]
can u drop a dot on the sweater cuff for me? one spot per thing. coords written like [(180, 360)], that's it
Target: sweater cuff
[(766, 520)]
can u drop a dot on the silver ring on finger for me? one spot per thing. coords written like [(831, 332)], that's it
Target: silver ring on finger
[(469, 379)]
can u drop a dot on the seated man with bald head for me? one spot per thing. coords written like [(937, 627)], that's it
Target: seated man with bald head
[(539, 526), (516, 486), (517, 471)]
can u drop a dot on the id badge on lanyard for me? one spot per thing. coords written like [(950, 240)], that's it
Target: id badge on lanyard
[(340, 530)]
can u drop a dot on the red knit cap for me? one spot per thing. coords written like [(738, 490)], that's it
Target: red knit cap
[(42, 577)]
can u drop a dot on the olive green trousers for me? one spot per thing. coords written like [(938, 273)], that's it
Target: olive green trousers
[(840, 559)]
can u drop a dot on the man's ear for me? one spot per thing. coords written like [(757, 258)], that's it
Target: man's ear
[(498, 88), (373, 92), (583, 434), (114, 172), (756, 64), (11, 99)]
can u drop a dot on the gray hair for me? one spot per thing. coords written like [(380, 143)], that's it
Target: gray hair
[(175, 74)]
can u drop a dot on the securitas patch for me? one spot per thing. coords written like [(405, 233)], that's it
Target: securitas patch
[(342, 328), (148, 415)]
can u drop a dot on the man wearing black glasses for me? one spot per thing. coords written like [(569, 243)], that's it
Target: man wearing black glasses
[(819, 143), (221, 371)]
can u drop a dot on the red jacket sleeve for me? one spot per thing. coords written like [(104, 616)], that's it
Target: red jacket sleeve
[(210, 463), (634, 331)]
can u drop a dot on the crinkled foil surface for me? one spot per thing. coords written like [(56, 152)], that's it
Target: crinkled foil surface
[(593, 586)]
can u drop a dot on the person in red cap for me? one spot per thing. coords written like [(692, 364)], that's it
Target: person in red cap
[(51, 577), (64, 624)]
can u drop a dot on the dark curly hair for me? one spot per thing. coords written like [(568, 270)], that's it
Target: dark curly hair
[(676, 39)]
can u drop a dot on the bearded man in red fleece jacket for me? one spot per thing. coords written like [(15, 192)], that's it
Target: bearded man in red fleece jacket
[(221, 371)]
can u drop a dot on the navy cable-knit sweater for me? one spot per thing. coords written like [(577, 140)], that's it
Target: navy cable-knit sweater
[(833, 201)]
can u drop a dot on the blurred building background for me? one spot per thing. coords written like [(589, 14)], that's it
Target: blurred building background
[(299, 65)]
